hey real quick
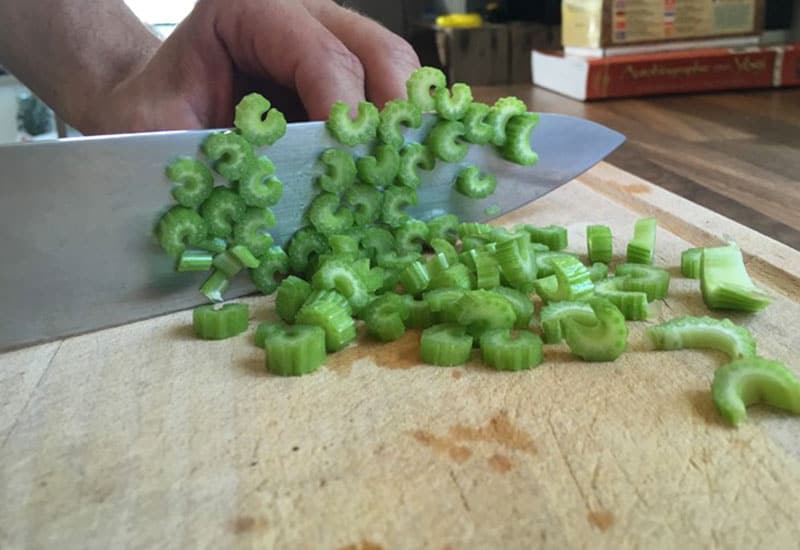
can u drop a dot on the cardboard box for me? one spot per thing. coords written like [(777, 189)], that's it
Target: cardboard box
[(601, 24)]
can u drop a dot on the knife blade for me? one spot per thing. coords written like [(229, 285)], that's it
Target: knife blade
[(76, 216)]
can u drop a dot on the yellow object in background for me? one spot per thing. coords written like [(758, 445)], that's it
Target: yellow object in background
[(460, 20)]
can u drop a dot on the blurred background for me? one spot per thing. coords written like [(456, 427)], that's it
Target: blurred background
[(492, 42)]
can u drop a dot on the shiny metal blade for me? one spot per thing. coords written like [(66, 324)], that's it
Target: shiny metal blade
[(76, 216)]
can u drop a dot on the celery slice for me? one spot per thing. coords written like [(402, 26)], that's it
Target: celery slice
[(353, 132), (194, 181), (471, 183), (445, 345), (258, 121), (295, 350), (420, 84), (642, 248), (599, 243), (725, 284), (747, 381), (703, 333), (602, 340), (511, 350), (212, 323)]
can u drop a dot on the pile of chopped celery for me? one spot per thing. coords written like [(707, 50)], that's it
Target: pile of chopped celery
[(362, 259)]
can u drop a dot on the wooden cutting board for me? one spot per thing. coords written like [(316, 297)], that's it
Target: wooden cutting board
[(142, 436)]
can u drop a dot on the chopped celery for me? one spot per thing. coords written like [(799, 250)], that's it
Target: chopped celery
[(395, 200), (471, 183), (413, 158), (266, 329), (753, 380), (195, 260), (487, 271), (377, 241), (340, 171), (604, 339), (573, 281), (511, 350), (690, 262), (445, 141), (521, 302), (325, 311), (341, 276), (703, 333), (517, 146), (385, 317), (445, 345), (215, 286), (380, 169), (212, 323), (419, 313), (553, 314), (193, 179), (228, 264), (651, 280), (344, 245), (553, 236), (420, 84), (481, 310), (305, 247), (415, 278), (725, 284), (214, 245), (352, 132), (442, 246), (260, 188), (230, 154), (444, 303), (632, 304), (598, 271), (444, 227), (395, 113), (295, 350), (476, 129), (544, 262), (500, 114), (411, 236), (264, 276), (642, 248), (517, 263), (222, 210), (599, 243), (455, 276), (180, 227), (328, 215), (292, 294), (453, 105), (365, 202), (252, 230), (258, 121)]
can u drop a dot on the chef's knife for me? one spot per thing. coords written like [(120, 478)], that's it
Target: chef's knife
[(76, 216)]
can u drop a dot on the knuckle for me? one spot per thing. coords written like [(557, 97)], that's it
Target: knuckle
[(343, 59), (401, 52)]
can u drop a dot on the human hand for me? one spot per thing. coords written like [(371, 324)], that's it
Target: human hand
[(301, 54)]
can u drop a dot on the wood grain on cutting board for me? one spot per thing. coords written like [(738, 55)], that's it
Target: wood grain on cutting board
[(142, 436)]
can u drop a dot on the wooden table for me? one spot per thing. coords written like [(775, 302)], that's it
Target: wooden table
[(736, 153)]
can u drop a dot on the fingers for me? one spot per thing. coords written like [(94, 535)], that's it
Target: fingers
[(281, 40), (388, 60)]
